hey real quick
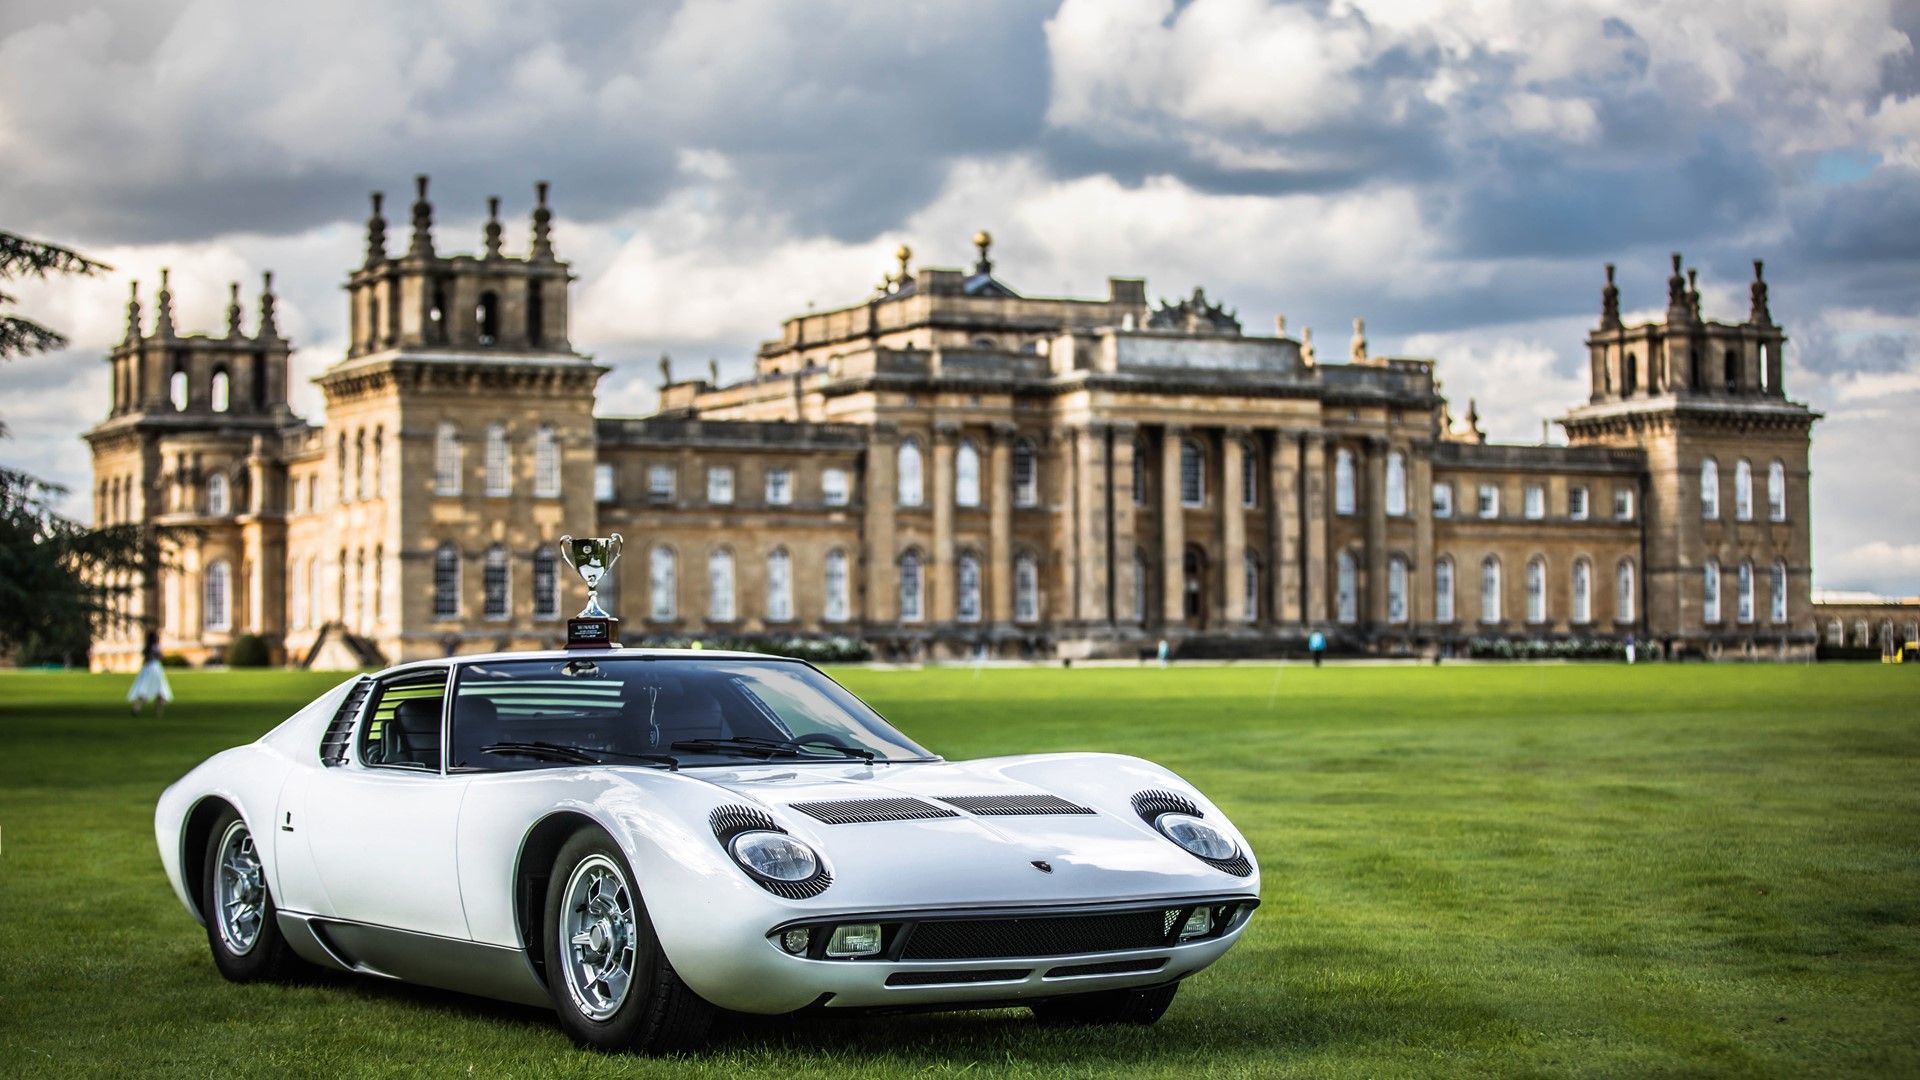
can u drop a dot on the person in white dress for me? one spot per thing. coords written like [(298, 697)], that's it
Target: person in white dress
[(151, 683)]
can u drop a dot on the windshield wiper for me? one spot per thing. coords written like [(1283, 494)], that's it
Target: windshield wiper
[(771, 748), (576, 755)]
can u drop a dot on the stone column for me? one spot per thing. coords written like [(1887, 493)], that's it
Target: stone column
[(1173, 531), (1316, 528), (1120, 498), (1000, 525), (1233, 527), (1375, 500), (1420, 505), (1090, 526), (1286, 583), (939, 580), (877, 533)]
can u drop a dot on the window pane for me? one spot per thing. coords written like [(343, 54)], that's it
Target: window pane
[(720, 485)]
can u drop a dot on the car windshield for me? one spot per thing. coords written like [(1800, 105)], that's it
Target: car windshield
[(524, 714)]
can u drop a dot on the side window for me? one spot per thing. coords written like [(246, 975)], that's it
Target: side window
[(402, 729)]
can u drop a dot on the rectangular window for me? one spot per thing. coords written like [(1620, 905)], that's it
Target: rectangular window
[(1443, 500), (720, 485), (1623, 504), (1577, 503), (402, 729), (833, 487), (779, 487), (603, 482), (1535, 504), (660, 483), (1489, 501)]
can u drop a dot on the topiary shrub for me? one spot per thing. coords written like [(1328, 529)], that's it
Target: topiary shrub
[(249, 650)]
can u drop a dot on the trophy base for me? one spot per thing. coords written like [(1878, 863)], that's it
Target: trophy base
[(592, 633)]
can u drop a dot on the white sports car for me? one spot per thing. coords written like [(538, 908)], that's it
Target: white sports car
[(638, 838)]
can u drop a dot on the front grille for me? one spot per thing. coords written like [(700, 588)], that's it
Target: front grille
[(956, 978), (1013, 805), (859, 811), (1058, 935)]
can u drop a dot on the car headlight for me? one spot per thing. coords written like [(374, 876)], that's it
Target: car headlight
[(774, 856), (1196, 836)]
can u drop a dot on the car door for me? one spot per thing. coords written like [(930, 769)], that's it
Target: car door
[(381, 828)]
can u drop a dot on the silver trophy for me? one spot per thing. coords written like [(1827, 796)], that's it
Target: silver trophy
[(592, 557)]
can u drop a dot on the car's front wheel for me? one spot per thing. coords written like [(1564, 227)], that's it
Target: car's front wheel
[(606, 973), (1107, 1006), (241, 929)]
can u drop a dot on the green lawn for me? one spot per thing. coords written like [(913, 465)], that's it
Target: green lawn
[(1521, 870)]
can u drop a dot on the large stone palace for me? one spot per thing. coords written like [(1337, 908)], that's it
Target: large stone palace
[(945, 468)]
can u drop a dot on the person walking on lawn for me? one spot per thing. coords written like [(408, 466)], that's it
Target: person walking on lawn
[(151, 683)]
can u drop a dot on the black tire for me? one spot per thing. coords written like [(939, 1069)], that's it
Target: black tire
[(659, 1014), (1107, 1007), (267, 956)]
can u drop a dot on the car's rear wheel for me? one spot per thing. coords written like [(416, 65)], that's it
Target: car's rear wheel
[(241, 929), (606, 973), (1107, 1006)]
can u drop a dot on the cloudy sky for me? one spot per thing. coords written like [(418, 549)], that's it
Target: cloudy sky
[(1456, 171)]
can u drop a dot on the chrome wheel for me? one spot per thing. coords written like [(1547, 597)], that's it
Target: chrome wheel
[(597, 931), (239, 890)]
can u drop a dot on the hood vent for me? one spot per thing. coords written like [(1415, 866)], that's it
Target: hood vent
[(1013, 805), (863, 811)]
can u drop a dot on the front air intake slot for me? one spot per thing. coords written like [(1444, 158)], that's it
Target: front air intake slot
[(1013, 805), (863, 811)]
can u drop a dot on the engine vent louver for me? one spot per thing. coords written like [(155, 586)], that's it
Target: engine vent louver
[(731, 820), (1013, 805), (339, 734), (1151, 804), (861, 811)]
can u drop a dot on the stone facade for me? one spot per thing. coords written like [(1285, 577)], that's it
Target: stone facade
[(944, 469)]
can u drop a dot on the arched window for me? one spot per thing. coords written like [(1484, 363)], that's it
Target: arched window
[(966, 475), (1582, 592), (379, 463), (1026, 589), (1732, 372), (221, 394), (315, 616), (1629, 373), (499, 461), (1710, 593), (446, 460), (663, 585), (1743, 490), (1249, 588), (546, 583), (1836, 634), (1777, 592), (219, 595), (1536, 590), (912, 491), (342, 473), (486, 317), (1709, 489), (779, 586), (496, 605), (1193, 473), (1860, 634), (1624, 593), (1443, 591), (1490, 590), (536, 314), (1249, 474), (1743, 583), (218, 503), (1396, 483), (1140, 474), (1347, 589), (720, 586), (446, 582), (1343, 498), (912, 587), (546, 463), (1397, 590), (966, 599), (1777, 491), (1026, 475), (838, 604), (177, 390)]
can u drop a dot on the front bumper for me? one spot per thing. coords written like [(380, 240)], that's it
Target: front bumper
[(966, 957)]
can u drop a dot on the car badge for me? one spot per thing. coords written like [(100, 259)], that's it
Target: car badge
[(1043, 866)]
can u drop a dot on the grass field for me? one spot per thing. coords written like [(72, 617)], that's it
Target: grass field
[(1468, 870)]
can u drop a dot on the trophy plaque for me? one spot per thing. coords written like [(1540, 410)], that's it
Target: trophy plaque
[(592, 557)]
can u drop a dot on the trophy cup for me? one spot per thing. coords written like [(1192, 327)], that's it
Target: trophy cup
[(592, 557)]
